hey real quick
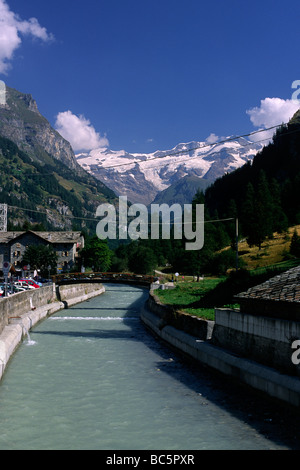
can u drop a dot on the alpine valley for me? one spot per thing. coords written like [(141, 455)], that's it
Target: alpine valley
[(43, 181), (170, 176)]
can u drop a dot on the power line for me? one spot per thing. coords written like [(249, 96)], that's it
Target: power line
[(184, 151), (46, 213), (174, 154), (97, 219)]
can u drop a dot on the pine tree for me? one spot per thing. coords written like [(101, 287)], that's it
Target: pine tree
[(295, 245), (248, 210), (258, 212), (279, 219)]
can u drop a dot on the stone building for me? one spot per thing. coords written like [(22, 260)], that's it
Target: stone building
[(65, 244)]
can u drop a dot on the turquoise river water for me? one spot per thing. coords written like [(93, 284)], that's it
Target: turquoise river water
[(93, 377)]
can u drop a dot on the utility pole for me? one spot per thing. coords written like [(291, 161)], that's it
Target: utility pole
[(237, 243), (3, 217)]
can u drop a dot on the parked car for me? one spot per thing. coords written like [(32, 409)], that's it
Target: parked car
[(18, 288), (35, 281), (24, 283), (30, 283)]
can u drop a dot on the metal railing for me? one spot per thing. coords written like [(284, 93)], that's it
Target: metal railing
[(102, 277)]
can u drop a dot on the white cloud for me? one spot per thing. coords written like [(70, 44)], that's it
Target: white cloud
[(212, 138), (79, 132), (271, 112), (11, 29)]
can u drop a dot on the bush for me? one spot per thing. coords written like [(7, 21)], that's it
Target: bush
[(223, 261)]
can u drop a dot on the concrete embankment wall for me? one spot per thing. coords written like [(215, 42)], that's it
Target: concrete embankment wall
[(20, 312), (189, 324), (255, 374), (23, 302), (74, 293), (263, 339)]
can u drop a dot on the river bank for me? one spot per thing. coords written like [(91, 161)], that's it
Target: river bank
[(92, 377), (178, 330)]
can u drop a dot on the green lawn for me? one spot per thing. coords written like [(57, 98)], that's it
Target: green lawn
[(187, 296), (201, 298)]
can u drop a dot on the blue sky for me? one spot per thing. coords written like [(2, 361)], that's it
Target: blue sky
[(145, 75)]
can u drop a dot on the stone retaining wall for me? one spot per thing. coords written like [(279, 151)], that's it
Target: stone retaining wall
[(73, 293), (219, 352), (23, 302), (182, 321)]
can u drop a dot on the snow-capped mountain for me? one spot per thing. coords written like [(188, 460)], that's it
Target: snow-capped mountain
[(141, 177)]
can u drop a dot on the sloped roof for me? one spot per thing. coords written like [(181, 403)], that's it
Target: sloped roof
[(50, 237), (59, 237), (6, 237), (283, 287), (279, 297)]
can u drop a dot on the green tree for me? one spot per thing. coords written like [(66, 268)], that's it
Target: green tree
[(258, 212), (295, 245), (279, 218), (96, 253), (142, 260), (40, 257)]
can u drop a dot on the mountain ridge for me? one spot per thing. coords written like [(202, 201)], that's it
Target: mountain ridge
[(183, 191), (141, 177)]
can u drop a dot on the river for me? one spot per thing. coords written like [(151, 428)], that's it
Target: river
[(93, 377)]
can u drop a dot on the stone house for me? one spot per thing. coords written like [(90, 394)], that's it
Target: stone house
[(65, 244)]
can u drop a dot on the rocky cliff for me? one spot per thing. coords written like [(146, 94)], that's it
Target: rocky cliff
[(21, 122), (40, 179)]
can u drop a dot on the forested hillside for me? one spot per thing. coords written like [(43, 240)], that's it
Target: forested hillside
[(264, 194), (49, 194)]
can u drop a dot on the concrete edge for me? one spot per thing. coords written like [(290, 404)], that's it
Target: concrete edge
[(83, 298), (263, 378)]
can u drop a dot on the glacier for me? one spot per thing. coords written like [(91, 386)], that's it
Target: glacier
[(141, 177)]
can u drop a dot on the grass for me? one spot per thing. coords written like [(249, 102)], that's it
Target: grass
[(201, 298), (186, 296), (273, 251)]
